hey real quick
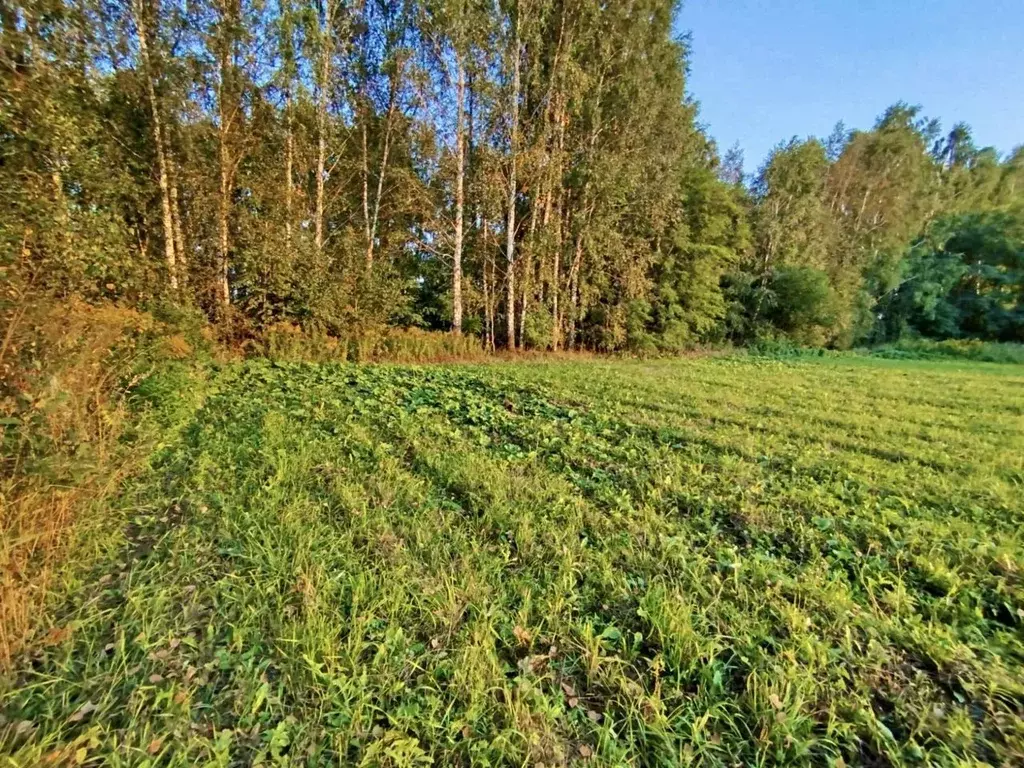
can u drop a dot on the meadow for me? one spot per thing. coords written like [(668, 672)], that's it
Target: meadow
[(716, 561)]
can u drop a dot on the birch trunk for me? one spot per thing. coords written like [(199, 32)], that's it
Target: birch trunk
[(321, 120), (460, 195), (556, 330), (61, 203), (372, 232), (226, 116), (556, 333), (366, 175), (574, 291), (223, 217), (510, 229), (289, 162), (161, 160), (179, 237), (488, 272), (527, 277)]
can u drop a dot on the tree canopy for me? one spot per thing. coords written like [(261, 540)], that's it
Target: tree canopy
[(530, 171)]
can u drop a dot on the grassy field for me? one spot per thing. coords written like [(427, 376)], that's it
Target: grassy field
[(712, 562)]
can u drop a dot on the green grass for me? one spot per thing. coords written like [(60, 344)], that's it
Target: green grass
[(709, 562)]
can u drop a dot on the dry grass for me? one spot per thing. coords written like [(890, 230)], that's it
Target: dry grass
[(284, 341), (37, 527), (287, 342), (62, 411)]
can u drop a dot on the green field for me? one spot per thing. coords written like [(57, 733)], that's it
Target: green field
[(723, 561)]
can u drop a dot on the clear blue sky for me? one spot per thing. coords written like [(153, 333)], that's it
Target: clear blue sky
[(766, 70)]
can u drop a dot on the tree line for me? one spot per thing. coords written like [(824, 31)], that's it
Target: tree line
[(532, 172)]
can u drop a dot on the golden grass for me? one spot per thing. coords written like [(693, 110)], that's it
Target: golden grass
[(62, 409)]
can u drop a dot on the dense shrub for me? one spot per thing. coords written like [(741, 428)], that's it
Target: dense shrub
[(412, 345), (958, 349), (400, 345), (283, 341)]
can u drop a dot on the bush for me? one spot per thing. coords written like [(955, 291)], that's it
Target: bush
[(397, 345), (804, 304), (777, 346), (539, 330), (413, 345), (798, 304), (952, 349), (284, 341)]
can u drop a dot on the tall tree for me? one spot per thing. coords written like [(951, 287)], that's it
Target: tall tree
[(144, 13), (515, 63), (225, 41), (327, 14)]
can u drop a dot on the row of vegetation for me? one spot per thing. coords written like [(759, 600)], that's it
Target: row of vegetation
[(530, 172)]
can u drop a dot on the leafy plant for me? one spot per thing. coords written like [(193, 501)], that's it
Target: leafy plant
[(725, 560)]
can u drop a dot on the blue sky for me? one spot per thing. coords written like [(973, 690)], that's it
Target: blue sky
[(766, 70)]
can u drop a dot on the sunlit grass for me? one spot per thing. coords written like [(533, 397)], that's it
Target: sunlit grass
[(714, 562)]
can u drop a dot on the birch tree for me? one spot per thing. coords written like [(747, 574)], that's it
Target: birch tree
[(146, 14), (515, 63)]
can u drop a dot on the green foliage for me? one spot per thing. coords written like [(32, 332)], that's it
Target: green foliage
[(305, 164), (689, 303), (801, 302), (792, 223), (539, 329), (964, 279), (730, 561), (795, 305), (868, 209), (953, 349)]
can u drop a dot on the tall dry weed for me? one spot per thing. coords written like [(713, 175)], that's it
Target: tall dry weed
[(64, 368)]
